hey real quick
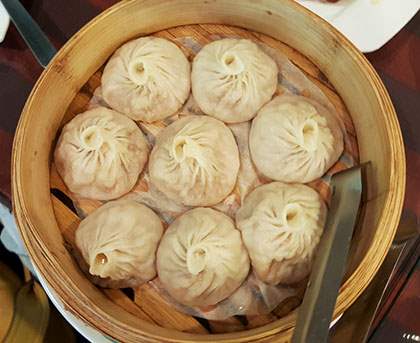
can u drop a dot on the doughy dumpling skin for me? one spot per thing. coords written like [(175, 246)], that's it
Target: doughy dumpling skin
[(232, 79), (201, 259), (100, 154), (118, 243), (147, 79), (295, 139), (281, 225), (195, 161)]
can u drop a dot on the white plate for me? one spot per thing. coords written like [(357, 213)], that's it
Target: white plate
[(369, 24), (4, 22), (83, 328)]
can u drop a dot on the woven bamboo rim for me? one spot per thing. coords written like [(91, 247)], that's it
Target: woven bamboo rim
[(374, 117)]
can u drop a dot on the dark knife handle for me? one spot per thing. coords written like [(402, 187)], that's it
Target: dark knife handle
[(37, 41)]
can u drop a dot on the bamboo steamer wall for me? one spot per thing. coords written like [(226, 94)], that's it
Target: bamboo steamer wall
[(363, 93)]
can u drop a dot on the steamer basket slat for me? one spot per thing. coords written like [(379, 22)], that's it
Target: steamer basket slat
[(42, 202)]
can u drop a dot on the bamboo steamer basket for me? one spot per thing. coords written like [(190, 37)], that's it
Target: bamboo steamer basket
[(327, 58)]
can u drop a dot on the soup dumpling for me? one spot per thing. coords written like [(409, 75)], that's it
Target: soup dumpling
[(295, 139), (118, 243), (195, 161), (201, 259), (281, 225), (147, 79), (232, 79), (100, 154)]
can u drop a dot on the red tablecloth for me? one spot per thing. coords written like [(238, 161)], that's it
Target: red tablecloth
[(398, 63)]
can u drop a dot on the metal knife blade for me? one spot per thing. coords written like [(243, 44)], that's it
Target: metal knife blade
[(30, 31), (356, 323), (315, 313)]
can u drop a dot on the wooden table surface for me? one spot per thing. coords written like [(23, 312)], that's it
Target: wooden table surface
[(398, 64)]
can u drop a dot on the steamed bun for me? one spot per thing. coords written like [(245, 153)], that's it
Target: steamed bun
[(147, 79), (294, 139), (281, 225), (195, 161), (118, 242), (100, 154), (201, 259), (232, 79)]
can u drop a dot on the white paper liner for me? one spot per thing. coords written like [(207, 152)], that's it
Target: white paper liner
[(253, 297)]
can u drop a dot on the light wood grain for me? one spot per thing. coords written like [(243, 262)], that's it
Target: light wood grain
[(339, 62), (121, 299), (147, 298), (66, 219), (228, 325), (257, 321)]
